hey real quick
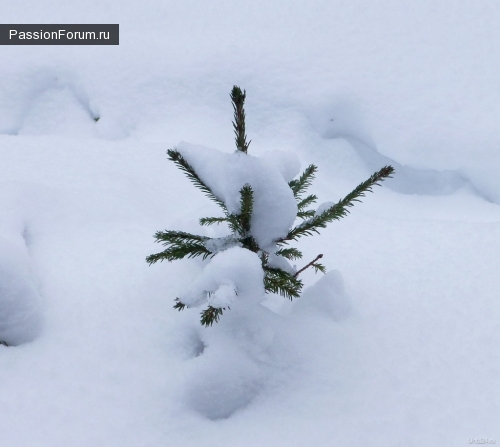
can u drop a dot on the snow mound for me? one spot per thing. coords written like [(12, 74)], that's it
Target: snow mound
[(20, 309), (48, 102), (231, 380), (327, 296), (342, 120), (234, 362)]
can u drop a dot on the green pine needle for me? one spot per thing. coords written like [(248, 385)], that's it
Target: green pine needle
[(289, 253), (206, 221), (176, 252), (184, 166), (177, 237), (339, 210), (367, 185), (306, 214), (233, 220), (300, 185), (246, 207), (238, 100), (309, 200), (281, 282), (179, 305), (180, 244), (319, 267), (211, 315)]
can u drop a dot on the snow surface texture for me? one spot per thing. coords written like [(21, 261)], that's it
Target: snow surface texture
[(345, 123), (20, 315), (402, 351)]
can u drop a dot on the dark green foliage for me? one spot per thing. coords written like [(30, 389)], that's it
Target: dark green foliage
[(276, 280), (246, 208), (180, 245), (205, 221), (281, 282), (318, 267), (179, 305), (289, 253), (191, 174), (211, 315), (238, 100), (300, 185), (309, 200), (337, 211)]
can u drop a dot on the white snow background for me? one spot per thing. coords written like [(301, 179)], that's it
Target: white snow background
[(397, 345)]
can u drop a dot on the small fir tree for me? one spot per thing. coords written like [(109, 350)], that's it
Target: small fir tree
[(180, 244)]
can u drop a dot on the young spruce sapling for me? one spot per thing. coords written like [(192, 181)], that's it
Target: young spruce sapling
[(180, 244)]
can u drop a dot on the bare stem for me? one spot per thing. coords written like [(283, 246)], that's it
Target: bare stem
[(308, 265)]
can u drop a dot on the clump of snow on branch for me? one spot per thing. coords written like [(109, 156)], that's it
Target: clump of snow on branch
[(233, 272), (280, 262), (323, 207), (275, 208)]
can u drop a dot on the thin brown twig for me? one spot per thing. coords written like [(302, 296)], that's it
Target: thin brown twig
[(308, 265)]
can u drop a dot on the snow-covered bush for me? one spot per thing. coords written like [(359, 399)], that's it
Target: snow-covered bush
[(260, 199)]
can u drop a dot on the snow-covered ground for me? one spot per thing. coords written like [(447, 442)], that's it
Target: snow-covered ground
[(399, 344)]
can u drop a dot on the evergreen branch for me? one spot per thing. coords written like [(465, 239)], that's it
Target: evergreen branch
[(300, 185), (184, 166), (298, 272), (306, 228), (178, 237), (238, 100), (234, 223), (289, 253), (319, 268), (179, 305), (180, 244), (306, 214), (205, 221), (211, 315), (179, 251), (366, 186), (279, 281), (246, 207), (339, 210), (309, 200), (250, 244), (218, 244)]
